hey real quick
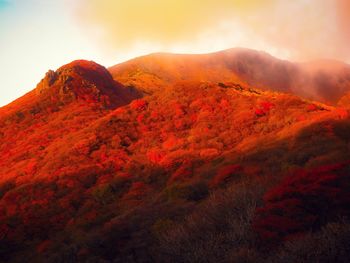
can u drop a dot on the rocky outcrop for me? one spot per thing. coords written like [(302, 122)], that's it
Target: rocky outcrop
[(47, 81), (85, 81)]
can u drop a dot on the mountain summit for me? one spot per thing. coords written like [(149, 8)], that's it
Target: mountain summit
[(83, 80)]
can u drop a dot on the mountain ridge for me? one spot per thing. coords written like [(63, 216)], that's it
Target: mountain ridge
[(255, 68)]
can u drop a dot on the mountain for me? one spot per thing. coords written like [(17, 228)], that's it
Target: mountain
[(324, 81), (174, 158), (64, 101)]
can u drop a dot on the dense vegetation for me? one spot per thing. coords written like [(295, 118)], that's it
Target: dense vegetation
[(197, 172)]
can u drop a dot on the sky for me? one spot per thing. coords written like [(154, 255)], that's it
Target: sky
[(38, 35)]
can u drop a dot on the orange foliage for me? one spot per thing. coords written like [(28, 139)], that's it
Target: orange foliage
[(209, 153), (76, 155), (139, 105), (155, 156)]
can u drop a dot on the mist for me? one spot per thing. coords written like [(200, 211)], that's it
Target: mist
[(299, 30)]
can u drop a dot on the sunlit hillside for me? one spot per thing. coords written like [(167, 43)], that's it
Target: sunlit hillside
[(233, 156)]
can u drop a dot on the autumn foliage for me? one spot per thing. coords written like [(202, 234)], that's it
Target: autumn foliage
[(304, 201), (92, 169)]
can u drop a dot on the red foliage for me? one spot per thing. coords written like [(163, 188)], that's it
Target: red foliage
[(155, 156), (103, 179), (209, 153), (43, 246), (180, 124), (259, 112), (172, 142), (137, 191), (224, 104), (301, 117), (140, 118), (179, 110), (194, 118), (31, 167), (264, 108), (312, 107), (74, 160), (155, 115), (342, 113), (303, 202), (182, 173), (139, 105), (118, 111)]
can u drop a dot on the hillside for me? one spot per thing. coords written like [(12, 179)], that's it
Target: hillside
[(65, 100), (324, 81), (204, 166)]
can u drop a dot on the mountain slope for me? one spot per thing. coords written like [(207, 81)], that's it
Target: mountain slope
[(64, 101), (326, 82), (92, 172)]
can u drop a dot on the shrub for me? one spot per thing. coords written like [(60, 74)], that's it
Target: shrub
[(5, 187), (304, 202), (139, 105), (155, 156), (197, 191), (137, 191), (341, 129), (209, 153), (191, 191), (217, 229), (174, 192), (264, 108), (331, 244), (311, 107), (103, 193), (162, 225), (181, 174), (225, 174)]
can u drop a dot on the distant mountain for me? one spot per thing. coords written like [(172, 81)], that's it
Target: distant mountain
[(324, 81), (177, 158)]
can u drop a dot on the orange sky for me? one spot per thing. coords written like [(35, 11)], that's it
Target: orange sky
[(343, 9), (37, 35), (297, 30)]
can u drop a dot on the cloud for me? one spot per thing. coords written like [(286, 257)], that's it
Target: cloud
[(162, 21), (343, 9), (303, 29)]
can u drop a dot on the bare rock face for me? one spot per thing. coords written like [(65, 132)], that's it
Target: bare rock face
[(47, 81), (84, 81)]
